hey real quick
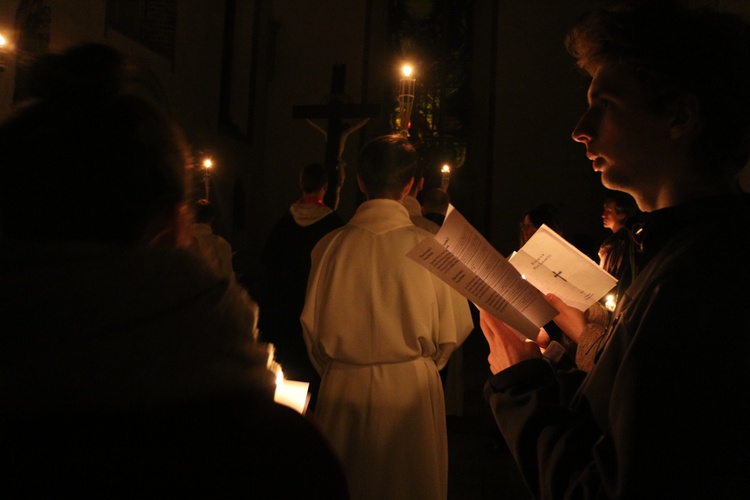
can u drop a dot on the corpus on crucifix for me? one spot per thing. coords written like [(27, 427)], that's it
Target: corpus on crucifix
[(336, 112)]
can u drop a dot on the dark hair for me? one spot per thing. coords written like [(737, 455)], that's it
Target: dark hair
[(312, 178), (386, 165), (624, 204), (673, 50), (85, 160), (435, 200), (546, 213)]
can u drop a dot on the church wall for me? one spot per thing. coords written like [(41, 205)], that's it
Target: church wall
[(311, 37), (537, 96)]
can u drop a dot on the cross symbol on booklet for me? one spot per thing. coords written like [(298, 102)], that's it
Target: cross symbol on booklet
[(512, 289)]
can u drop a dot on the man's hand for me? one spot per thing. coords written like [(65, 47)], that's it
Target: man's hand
[(570, 320), (506, 348)]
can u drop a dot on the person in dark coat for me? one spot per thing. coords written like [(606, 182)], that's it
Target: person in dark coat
[(285, 267), (128, 368), (661, 413)]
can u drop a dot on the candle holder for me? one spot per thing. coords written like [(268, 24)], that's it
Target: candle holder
[(292, 393), (405, 99), (446, 177), (207, 164)]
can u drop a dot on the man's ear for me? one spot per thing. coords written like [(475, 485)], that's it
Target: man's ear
[(407, 188), (416, 187), (361, 185), (686, 116)]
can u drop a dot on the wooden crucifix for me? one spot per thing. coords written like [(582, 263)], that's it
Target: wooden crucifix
[(336, 111)]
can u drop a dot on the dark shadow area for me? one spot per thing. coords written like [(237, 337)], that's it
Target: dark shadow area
[(480, 465)]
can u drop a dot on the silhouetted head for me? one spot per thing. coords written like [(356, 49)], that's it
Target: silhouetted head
[(534, 218), (312, 178), (387, 165), (617, 208), (435, 201), (85, 160)]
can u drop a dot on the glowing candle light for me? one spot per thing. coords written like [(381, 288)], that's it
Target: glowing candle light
[(207, 164), (610, 303), (405, 98), (446, 173), (3, 43), (291, 393)]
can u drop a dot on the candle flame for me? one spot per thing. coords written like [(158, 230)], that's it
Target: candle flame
[(446, 169), (610, 303), (208, 163), (2, 41), (406, 70)]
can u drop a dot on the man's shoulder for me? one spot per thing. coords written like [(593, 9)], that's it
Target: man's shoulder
[(425, 223), (703, 257), (334, 234), (332, 221)]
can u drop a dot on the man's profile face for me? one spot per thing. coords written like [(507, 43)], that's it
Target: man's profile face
[(610, 217), (625, 140)]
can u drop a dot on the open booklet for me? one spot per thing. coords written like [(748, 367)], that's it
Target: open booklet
[(512, 289)]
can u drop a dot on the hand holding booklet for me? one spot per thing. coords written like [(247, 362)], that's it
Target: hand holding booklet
[(512, 289)]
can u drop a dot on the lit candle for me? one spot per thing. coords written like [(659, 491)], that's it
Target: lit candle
[(610, 303), (3, 43), (446, 172), (405, 98), (291, 393), (207, 164)]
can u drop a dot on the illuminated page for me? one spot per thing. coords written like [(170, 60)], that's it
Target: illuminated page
[(459, 255), (553, 265)]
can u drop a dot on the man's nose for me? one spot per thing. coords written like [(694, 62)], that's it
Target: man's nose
[(582, 131)]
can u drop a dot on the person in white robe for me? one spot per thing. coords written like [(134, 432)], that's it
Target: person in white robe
[(378, 327), (211, 247)]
